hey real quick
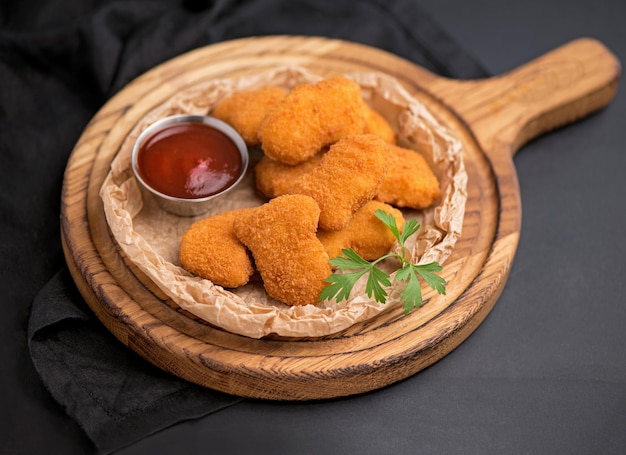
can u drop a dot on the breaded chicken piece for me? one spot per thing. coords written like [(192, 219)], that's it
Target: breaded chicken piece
[(375, 123), (245, 110), (410, 182), (281, 235), (348, 176), (210, 250), (274, 178), (365, 233), (311, 117)]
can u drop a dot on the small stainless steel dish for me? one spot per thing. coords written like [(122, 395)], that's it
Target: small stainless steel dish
[(191, 205)]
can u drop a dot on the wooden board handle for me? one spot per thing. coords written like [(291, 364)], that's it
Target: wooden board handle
[(562, 86)]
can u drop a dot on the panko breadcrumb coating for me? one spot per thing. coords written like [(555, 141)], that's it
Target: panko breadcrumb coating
[(245, 110), (365, 233), (348, 176), (210, 250), (410, 182), (291, 260), (311, 117), (274, 178), (375, 123)]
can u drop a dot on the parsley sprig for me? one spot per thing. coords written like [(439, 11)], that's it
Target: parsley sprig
[(341, 284)]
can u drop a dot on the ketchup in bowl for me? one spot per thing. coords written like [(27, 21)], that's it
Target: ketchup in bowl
[(188, 158)]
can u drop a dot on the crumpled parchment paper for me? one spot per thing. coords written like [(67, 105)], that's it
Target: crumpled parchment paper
[(150, 236)]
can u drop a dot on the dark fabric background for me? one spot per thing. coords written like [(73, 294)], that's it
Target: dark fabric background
[(60, 61)]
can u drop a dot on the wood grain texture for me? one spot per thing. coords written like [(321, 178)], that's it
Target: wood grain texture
[(492, 118)]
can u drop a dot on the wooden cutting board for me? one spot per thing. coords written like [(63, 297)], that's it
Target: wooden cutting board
[(493, 118)]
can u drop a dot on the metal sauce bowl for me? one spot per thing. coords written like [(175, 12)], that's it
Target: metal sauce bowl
[(188, 206)]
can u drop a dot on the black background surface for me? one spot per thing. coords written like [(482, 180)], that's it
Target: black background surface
[(545, 373)]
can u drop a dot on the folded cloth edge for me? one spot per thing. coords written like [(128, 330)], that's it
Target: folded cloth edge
[(110, 424)]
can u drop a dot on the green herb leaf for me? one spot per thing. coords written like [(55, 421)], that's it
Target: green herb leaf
[(375, 282), (388, 220), (427, 271), (341, 284), (410, 228), (349, 260), (412, 293)]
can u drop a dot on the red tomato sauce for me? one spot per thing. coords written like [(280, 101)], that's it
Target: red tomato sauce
[(189, 160)]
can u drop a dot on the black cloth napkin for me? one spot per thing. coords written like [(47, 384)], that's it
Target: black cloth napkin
[(115, 396), (61, 60)]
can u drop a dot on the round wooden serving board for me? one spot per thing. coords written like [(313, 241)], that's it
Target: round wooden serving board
[(491, 117)]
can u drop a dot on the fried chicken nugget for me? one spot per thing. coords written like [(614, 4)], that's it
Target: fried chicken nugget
[(310, 117), (410, 182), (348, 176), (281, 235), (375, 123), (365, 233), (274, 178), (245, 110), (210, 249)]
